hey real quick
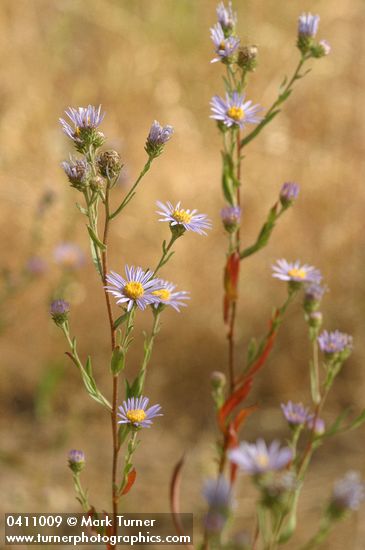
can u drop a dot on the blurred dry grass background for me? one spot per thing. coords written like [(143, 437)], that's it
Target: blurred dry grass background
[(144, 60)]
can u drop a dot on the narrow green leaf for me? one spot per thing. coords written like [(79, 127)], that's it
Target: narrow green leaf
[(117, 363), (120, 320), (96, 239)]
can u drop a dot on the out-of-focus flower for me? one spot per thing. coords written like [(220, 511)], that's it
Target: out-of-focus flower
[(218, 494), (258, 458), (336, 342), (135, 289), (77, 171), (165, 293), (326, 47), (226, 17), (289, 193), (59, 311), (134, 411), (156, 139), (313, 295), (76, 460), (308, 25), (295, 272), (190, 220), (225, 48), (69, 255), (36, 265), (348, 493), (315, 320), (318, 425), (295, 413), (231, 218), (85, 120), (234, 110)]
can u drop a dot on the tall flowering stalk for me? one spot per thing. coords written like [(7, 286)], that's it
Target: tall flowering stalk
[(278, 472), (94, 175)]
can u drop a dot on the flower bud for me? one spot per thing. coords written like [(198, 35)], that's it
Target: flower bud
[(77, 172), (59, 311), (96, 183), (247, 58), (76, 460), (218, 379), (157, 138), (289, 194), (313, 296), (231, 217), (110, 165), (315, 320)]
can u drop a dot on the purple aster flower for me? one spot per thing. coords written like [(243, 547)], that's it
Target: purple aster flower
[(326, 47), (226, 17), (217, 493), (135, 289), (134, 411), (289, 193), (77, 171), (156, 139), (224, 47), (258, 458), (59, 311), (166, 296), (318, 425), (295, 413), (294, 272), (76, 460), (234, 111), (69, 255), (36, 265), (231, 218), (334, 342), (188, 219), (83, 119), (308, 25), (348, 493)]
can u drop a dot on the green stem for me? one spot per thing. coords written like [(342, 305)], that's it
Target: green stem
[(322, 534), (132, 446), (148, 350), (273, 111), (131, 192), (82, 496), (165, 254)]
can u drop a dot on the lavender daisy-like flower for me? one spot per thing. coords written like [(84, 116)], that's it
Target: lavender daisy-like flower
[(217, 492), (308, 25), (83, 119), (295, 413), (295, 272), (335, 342), (190, 220), (318, 425), (77, 171), (231, 217), (134, 411), (165, 294), (226, 17), (258, 458), (156, 139), (289, 193), (135, 289), (69, 255), (234, 110), (224, 47), (348, 493)]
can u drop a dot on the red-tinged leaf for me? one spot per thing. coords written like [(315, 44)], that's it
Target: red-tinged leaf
[(233, 473), (226, 308), (231, 274), (241, 416), (175, 498), (232, 402), (130, 481)]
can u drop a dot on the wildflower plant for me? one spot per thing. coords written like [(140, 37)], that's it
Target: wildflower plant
[(93, 174), (277, 470)]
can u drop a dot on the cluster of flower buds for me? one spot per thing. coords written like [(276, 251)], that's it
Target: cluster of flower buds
[(307, 31)]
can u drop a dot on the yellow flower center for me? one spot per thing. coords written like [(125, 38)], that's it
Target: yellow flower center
[(162, 293), (222, 46), (237, 113), (133, 290), (297, 273), (181, 216), (262, 460), (136, 415)]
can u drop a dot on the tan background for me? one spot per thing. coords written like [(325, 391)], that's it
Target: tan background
[(144, 60)]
